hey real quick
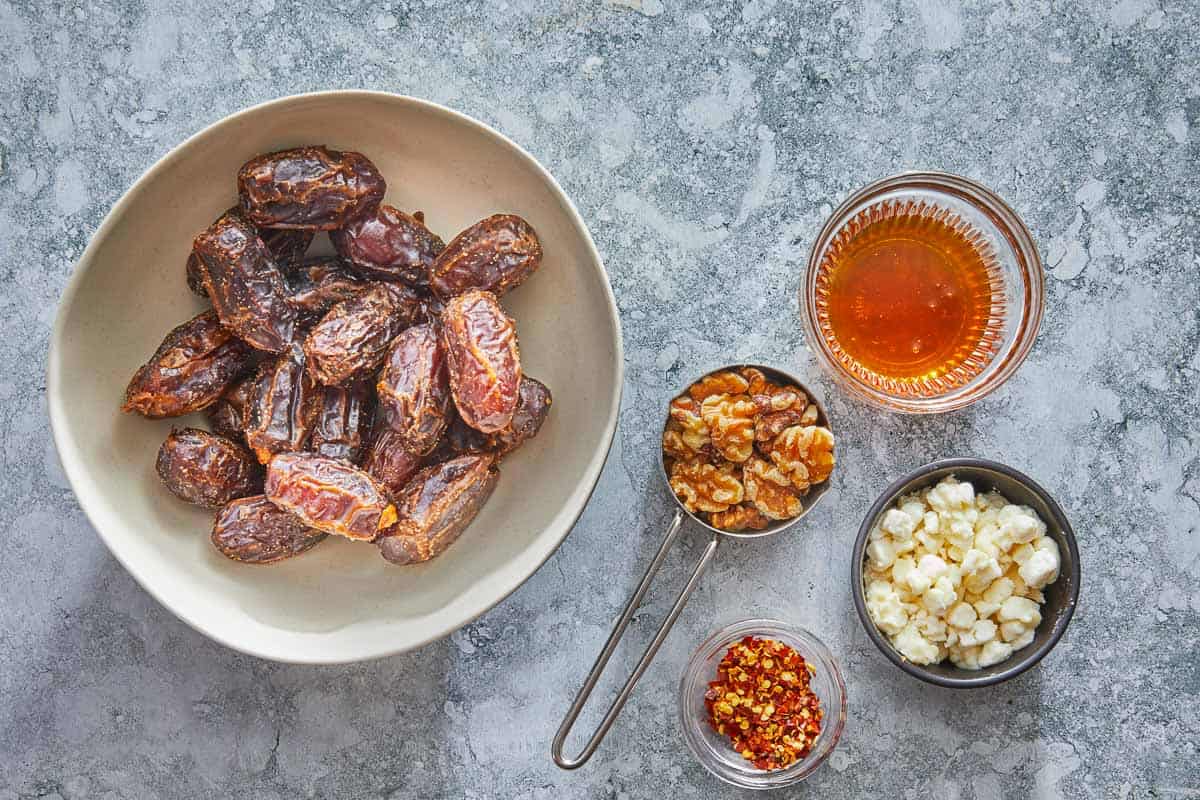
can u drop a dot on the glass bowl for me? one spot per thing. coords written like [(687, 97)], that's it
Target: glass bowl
[(714, 751), (1017, 267)]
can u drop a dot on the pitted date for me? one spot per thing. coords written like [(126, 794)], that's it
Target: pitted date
[(256, 531), (495, 255), (458, 440), (282, 407), (227, 416), (342, 422), (329, 495), (286, 247), (533, 406), (483, 359), (414, 388), (319, 284), (245, 285), (208, 470), (389, 245), (436, 506), (352, 339), (189, 371), (309, 188), (432, 305), (195, 270), (389, 461), (225, 420), (195, 275)]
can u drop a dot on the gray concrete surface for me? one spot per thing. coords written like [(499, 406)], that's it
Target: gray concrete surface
[(703, 144)]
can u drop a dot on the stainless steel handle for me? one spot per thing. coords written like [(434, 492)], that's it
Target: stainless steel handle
[(614, 638)]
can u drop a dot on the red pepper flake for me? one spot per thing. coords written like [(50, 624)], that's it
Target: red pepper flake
[(763, 701)]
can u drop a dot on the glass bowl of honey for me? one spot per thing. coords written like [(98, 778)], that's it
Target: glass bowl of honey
[(923, 293)]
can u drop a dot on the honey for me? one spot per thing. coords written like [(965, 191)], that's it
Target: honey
[(909, 298)]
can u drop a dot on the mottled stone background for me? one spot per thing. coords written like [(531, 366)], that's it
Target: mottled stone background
[(703, 144)]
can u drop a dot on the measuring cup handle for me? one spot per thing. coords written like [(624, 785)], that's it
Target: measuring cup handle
[(618, 631)]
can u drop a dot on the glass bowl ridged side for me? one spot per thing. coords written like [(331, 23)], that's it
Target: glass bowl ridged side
[(714, 751), (1023, 285), (884, 218)]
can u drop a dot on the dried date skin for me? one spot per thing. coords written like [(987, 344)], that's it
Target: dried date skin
[(225, 420), (436, 507), (309, 188), (483, 359), (205, 469), (342, 422), (319, 284), (195, 275), (285, 246), (227, 416), (329, 495), (282, 407), (459, 439), (254, 530), (195, 270), (245, 285), (389, 245), (390, 462), (433, 305), (353, 338), (533, 406), (414, 388), (495, 254), (195, 364)]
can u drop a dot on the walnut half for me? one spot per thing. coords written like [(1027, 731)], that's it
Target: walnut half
[(730, 421), (739, 518), (770, 490), (718, 383), (685, 416), (804, 453), (703, 487)]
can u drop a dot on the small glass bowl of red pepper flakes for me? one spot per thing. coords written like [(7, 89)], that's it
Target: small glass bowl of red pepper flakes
[(790, 706)]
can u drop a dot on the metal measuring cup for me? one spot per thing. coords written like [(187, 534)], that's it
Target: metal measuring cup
[(807, 502)]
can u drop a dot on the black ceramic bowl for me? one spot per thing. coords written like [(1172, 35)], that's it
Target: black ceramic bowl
[(1061, 596)]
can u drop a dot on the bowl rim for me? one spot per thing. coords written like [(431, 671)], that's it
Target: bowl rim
[(766, 627), (889, 495), (76, 471)]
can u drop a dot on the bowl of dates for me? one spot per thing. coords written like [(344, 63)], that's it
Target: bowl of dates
[(336, 375)]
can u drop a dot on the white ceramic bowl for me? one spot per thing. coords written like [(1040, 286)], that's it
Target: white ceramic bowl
[(340, 602)]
